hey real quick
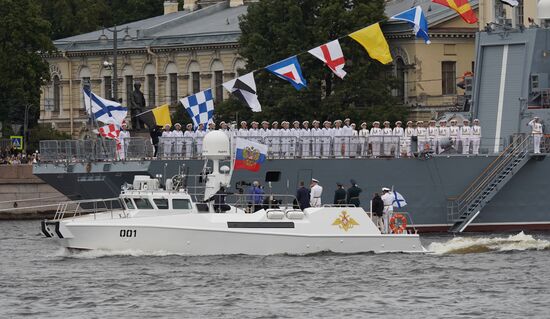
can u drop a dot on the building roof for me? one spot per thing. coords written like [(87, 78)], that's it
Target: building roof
[(216, 24)]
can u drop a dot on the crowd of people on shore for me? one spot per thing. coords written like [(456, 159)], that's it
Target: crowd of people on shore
[(332, 139), (10, 156)]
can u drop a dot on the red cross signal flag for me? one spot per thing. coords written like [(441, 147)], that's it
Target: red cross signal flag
[(331, 53)]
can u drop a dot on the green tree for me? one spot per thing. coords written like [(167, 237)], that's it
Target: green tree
[(276, 29), (23, 35)]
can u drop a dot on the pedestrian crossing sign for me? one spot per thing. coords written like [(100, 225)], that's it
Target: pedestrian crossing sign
[(17, 142)]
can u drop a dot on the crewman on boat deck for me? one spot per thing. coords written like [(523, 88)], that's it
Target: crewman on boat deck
[(387, 198), (123, 135), (315, 193), (177, 137), (256, 197), (353, 194), (378, 211), (339, 194), (536, 131), (302, 196), (167, 141), (220, 206)]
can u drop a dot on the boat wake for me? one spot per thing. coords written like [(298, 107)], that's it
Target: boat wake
[(93, 254), (472, 245)]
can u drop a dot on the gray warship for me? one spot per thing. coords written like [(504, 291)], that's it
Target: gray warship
[(504, 188)]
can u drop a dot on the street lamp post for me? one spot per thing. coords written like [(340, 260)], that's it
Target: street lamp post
[(25, 125), (113, 65)]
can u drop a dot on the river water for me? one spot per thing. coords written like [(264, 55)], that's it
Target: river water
[(479, 275)]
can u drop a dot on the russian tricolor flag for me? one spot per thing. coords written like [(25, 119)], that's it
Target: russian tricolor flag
[(249, 155)]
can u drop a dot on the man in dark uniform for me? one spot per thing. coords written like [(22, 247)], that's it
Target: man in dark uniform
[(378, 211), (353, 194), (340, 195), (302, 196)]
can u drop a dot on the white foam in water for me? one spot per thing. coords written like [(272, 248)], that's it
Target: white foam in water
[(92, 254), (466, 245)]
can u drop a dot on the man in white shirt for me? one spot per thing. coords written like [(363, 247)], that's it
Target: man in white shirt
[(177, 137), (315, 193), (286, 139), (475, 137), (537, 132), (254, 132), (337, 135), (274, 140), (243, 131), (294, 138), (305, 139), (398, 139), (453, 133), (376, 138), (166, 141), (364, 139), (387, 198), (124, 140), (327, 139), (347, 135), (316, 135), (422, 136), (407, 141), (387, 133), (189, 137), (199, 135), (442, 135), (432, 135), (464, 137)]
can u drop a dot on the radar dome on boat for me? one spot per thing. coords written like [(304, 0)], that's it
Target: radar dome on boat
[(543, 9), (215, 145)]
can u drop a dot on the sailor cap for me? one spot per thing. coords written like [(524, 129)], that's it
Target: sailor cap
[(243, 122), (338, 121), (166, 125), (453, 121), (315, 122), (398, 122), (375, 122), (385, 189), (177, 124), (253, 122), (305, 122), (275, 122), (536, 117), (409, 122), (476, 120), (466, 121), (326, 122), (419, 122), (432, 121), (265, 122), (443, 121), (222, 123), (314, 180), (347, 119), (189, 125), (386, 122), (364, 124), (295, 122)]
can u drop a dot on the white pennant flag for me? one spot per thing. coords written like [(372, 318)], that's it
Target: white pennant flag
[(244, 88), (512, 3), (331, 53)]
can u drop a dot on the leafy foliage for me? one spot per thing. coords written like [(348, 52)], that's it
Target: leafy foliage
[(276, 29)]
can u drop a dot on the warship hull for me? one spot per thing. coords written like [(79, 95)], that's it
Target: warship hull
[(427, 185)]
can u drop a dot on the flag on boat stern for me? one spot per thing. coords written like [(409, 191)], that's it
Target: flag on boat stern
[(159, 116), (103, 110), (398, 200), (249, 155)]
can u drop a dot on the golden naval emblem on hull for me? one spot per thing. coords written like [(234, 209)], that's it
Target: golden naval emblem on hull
[(344, 221)]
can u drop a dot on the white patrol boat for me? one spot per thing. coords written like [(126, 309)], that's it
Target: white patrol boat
[(148, 218)]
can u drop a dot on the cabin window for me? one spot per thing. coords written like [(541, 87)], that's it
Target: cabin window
[(181, 204), (129, 203), (162, 203), (143, 203)]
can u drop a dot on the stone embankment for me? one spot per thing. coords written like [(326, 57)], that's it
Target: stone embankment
[(25, 196)]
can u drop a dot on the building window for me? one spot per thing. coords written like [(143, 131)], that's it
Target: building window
[(448, 76), (400, 76), (520, 12), (196, 80), (108, 87), (56, 93), (173, 87), (129, 88), (218, 80), (85, 83), (151, 90)]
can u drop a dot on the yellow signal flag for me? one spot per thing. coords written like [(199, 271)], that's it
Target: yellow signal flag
[(372, 39), (162, 115)]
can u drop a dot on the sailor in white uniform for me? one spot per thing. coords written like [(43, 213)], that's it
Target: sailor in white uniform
[(286, 139), (166, 139), (464, 137), (338, 138), (387, 142), (421, 137), (432, 135), (177, 137), (475, 137), (347, 136), (199, 135), (264, 131), (398, 139), (305, 139), (454, 131), (274, 140), (189, 137), (327, 138), (124, 140), (316, 134), (443, 135), (375, 138), (254, 132), (243, 131), (407, 140), (354, 140), (387, 198), (364, 139), (537, 132), (294, 139), (211, 127), (315, 193)]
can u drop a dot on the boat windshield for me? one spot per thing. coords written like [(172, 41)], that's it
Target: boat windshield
[(181, 204), (143, 203), (162, 203), (129, 203)]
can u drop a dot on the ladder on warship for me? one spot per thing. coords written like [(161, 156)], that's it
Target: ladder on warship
[(462, 210)]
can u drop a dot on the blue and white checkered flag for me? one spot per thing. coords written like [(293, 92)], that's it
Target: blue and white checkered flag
[(200, 107)]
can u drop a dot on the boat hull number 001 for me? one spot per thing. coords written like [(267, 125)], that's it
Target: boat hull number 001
[(128, 233)]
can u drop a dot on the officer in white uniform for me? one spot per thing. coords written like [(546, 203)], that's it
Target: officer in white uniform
[(432, 135), (454, 131), (421, 136), (315, 193), (537, 132), (124, 140), (364, 139), (327, 138), (274, 140), (407, 140), (243, 131), (294, 138), (347, 136), (398, 139), (387, 198), (443, 135), (464, 137), (338, 138), (376, 138), (387, 133), (254, 132), (305, 139), (199, 135), (166, 141), (316, 135), (286, 139), (177, 137), (476, 137), (189, 137)]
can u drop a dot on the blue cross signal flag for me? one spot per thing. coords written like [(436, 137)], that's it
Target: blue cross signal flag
[(17, 142), (106, 111)]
